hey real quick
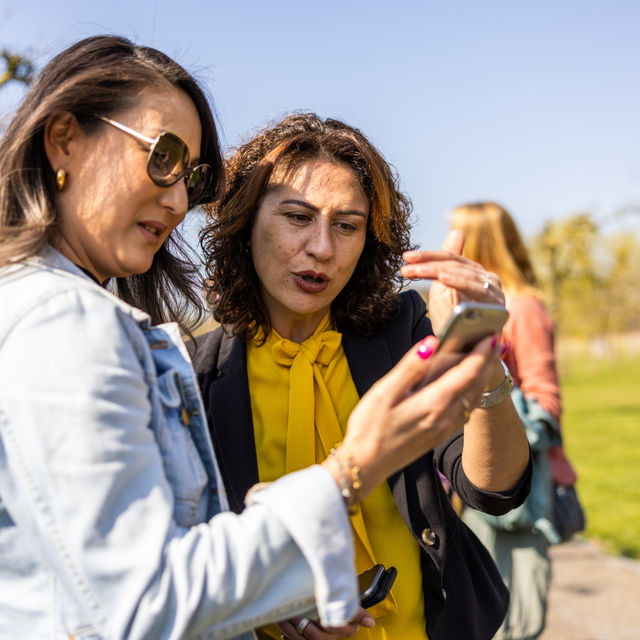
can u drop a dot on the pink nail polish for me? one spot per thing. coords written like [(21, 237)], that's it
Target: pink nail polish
[(494, 341), (505, 348), (426, 348)]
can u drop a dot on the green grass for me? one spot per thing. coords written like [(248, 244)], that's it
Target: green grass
[(602, 436)]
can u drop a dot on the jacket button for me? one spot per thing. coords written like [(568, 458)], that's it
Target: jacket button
[(428, 537)]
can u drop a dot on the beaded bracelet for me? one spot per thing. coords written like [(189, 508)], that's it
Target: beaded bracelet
[(350, 491)]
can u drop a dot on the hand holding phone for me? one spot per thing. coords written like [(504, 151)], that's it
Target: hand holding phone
[(468, 323), (375, 584)]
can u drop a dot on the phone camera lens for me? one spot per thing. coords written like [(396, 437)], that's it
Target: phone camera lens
[(472, 315)]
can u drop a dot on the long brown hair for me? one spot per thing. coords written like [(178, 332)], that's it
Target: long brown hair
[(232, 285), (491, 238), (96, 77)]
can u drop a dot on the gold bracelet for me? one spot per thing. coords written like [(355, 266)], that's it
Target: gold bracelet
[(350, 491)]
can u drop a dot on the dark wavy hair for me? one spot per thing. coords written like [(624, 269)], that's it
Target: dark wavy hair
[(232, 287), (99, 76)]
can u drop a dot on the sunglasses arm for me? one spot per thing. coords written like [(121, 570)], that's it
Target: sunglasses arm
[(126, 129)]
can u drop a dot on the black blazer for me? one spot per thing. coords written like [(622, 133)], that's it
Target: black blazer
[(465, 597)]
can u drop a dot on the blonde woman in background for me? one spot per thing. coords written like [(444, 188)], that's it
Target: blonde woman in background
[(493, 240)]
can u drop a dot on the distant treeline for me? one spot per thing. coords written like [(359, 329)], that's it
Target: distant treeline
[(591, 280)]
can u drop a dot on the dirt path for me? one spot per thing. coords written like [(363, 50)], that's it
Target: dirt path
[(594, 596)]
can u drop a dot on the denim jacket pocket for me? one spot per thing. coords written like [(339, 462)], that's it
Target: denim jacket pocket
[(181, 460)]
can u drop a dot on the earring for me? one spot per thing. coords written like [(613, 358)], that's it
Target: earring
[(61, 178)]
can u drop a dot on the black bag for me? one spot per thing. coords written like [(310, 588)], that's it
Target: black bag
[(568, 515)]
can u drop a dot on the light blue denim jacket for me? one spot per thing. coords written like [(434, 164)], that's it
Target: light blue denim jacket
[(108, 485)]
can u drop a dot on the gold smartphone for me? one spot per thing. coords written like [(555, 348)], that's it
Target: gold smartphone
[(468, 323)]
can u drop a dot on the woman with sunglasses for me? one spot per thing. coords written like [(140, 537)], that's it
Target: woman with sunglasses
[(304, 253), (110, 494)]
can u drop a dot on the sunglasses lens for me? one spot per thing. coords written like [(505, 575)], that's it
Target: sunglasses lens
[(198, 183), (168, 160)]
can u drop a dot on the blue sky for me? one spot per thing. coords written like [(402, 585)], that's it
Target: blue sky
[(533, 104)]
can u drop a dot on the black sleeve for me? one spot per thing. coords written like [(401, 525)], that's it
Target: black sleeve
[(204, 351), (448, 458)]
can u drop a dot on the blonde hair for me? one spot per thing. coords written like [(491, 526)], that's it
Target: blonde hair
[(492, 239)]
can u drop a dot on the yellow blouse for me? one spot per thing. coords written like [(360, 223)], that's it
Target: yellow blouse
[(293, 386)]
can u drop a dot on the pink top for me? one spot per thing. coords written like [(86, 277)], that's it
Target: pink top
[(532, 361), (531, 356)]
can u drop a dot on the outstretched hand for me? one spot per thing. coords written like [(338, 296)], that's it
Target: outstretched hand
[(454, 277), (394, 424)]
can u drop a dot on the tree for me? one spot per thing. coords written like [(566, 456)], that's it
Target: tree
[(623, 302), (591, 279), (18, 68), (564, 254)]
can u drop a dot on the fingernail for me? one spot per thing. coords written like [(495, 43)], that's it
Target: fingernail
[(505, 348), (368, 622), (427, 347), (494, 341)]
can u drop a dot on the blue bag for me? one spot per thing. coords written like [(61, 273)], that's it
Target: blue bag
[(537, 511)]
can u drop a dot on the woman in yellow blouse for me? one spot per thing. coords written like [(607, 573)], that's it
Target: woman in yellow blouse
[(304, 256)]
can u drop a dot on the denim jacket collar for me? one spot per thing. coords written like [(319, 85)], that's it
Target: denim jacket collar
[(52, 260)]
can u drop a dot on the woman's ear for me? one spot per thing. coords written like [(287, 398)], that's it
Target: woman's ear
[(59, 131)]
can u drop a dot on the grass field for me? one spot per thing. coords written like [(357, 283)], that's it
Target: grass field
[(602, 436)]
